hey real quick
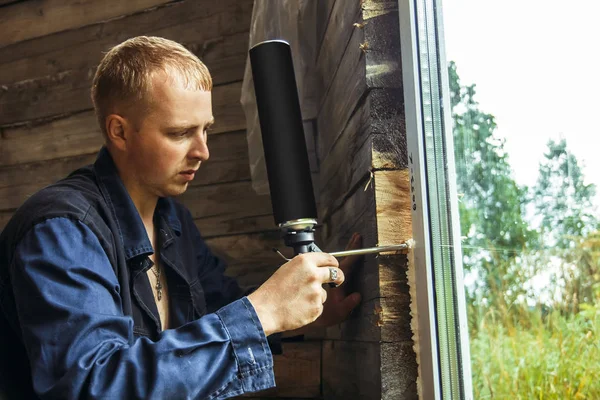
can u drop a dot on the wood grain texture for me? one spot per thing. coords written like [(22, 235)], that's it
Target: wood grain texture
[(346, 92), (58, 82), (7, 2), (69, 93), (392, 196), (324, 8), (228, 163), (254, 249), (351, 370), (348, 162), (297, 372), (192, 23), (367, 370), (79, 134), (37, 18), (340, 26)]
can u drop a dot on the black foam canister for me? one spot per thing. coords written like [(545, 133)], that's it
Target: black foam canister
[(286, 156)]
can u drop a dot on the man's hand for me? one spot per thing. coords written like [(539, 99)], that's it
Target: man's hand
[(340, 304), (293, 296), (292, 299)]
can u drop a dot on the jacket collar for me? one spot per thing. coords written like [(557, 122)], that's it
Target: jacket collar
[(129, 223)]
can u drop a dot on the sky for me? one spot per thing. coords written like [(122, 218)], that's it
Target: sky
[(536, 69)]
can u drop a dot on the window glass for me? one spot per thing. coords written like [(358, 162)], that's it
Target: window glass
[(524, 93)]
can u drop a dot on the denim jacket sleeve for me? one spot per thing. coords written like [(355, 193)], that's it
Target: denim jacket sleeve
[(80, 345), (221, 289)]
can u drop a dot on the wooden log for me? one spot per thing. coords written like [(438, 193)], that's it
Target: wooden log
[(69, 92), (188, 22), (79, 134), (366, 370), (335, 40), (348, 162), (371, 140), (324, 8), (58, 82), (228, 163), (370, 61), (345, 93), (40, 18), (236, 198), (7, 2), (351, 370), (67, 137), (235, 224), (252, 274), (297, 372), (249, 250), (393, 199), (384, 313), (382, 43)]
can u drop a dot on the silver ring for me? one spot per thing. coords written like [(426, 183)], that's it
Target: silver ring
[(333, 274)]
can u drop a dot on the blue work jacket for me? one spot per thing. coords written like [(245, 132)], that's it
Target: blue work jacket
[(77, 314)]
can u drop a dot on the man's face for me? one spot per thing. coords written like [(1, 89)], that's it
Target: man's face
[(172, 139)]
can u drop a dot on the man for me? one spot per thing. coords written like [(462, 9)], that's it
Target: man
[(107, 289)]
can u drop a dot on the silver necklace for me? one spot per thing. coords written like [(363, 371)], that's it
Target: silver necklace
[(157, 271)]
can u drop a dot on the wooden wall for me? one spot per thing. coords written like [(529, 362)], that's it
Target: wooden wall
[(364, 186), (48, 53)]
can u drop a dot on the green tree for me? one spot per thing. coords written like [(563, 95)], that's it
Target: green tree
[(563, 202), (565, 215), (491, 203)]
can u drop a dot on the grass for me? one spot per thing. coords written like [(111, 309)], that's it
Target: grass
[(535, 356)]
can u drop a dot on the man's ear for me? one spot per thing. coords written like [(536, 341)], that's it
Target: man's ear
[(117, 131)]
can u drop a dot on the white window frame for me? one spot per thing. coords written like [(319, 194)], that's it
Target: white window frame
[(445, 373)]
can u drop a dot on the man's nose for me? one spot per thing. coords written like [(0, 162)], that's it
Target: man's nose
[(199, 149)]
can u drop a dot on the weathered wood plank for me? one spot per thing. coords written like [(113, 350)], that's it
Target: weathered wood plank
[(345, 93), (297, 372), (392, 196), (252, 274), (188, 21), (337, 35), (250, 250), (371, 60), (365, 370), (39, 18), (224, 56), (80, 134), (399, 367), (7, 2), (69, 92), (232, 224), (351, 370), (235, 199), (228, 163), (371, 140), (347, 163), (324, 8), (382, 43)]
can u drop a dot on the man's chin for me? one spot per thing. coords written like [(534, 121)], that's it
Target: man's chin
[(175, 190)]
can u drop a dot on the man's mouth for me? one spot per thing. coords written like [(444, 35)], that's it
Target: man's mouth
[(189, 174)]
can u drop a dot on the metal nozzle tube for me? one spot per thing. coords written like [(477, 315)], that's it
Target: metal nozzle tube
[(369, 250)]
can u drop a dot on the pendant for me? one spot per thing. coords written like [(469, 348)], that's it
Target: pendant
[(158, 290)]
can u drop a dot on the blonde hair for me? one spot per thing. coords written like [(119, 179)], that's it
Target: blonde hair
[(123, 77)]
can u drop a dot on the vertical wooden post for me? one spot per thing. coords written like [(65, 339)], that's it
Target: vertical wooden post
[(364, 187)]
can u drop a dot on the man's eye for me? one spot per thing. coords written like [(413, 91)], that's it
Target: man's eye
[(180, 133)]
